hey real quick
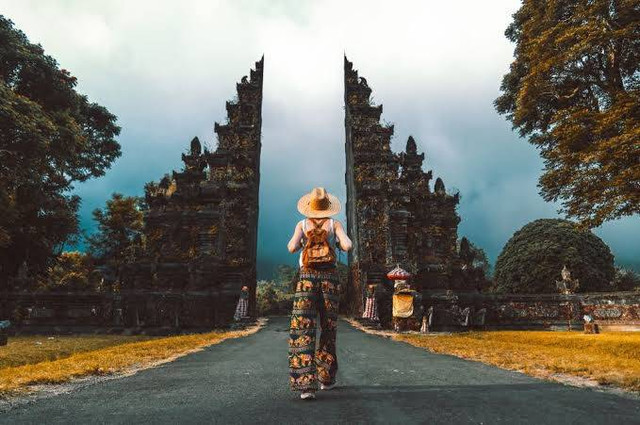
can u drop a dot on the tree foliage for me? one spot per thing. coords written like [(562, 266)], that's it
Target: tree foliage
[(119, 235), (72, 271), (285, 276), (273, 298), (50, 137), (574, 91), (473, 256), (532, 259), (626, 280)]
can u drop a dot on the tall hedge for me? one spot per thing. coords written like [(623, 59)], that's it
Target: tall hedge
[(532, 259)]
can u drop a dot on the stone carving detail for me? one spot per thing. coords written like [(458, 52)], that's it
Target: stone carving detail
[(567, 285), (529, 311), (607, 313), (454, 317)]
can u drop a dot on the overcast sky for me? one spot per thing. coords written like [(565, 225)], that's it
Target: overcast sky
[(166, 68)]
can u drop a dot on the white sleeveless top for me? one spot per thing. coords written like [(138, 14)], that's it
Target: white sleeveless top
[(331, 236)]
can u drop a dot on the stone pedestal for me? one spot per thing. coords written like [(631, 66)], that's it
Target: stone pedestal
[(591, 328)]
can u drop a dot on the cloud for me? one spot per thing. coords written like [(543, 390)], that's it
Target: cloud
[(166, 68)]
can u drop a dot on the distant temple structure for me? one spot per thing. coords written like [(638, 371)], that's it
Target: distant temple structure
[(201, 226), (393, 214)]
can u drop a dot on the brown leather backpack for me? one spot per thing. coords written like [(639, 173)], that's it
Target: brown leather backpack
[(317, 252)]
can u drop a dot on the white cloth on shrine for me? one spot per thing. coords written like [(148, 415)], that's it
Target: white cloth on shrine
[(370, 309)]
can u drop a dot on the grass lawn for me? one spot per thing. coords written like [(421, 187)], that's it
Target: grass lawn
[(23, 362), (609, 358)]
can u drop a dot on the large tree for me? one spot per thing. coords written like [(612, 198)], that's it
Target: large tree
[(50, 137), (574, 91)]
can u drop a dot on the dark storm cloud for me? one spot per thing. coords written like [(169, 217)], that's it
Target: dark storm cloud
[(167, 68)]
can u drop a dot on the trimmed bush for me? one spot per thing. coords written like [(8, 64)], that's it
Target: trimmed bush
[(532, 259)]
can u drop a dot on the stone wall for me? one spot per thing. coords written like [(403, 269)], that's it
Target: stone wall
[(132, 311), (611, 311), (158, 312)]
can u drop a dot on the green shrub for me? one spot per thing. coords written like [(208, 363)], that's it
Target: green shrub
[(532, 259), (72, 271), (273, 299)]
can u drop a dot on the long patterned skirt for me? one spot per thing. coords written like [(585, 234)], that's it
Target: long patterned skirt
[(316, 298)]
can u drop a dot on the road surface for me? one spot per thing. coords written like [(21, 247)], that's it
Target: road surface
[(245, 381)]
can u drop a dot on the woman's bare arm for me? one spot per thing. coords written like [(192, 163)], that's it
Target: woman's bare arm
[(296, 240), (343, 240)]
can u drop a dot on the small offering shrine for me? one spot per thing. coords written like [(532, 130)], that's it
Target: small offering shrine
[(406, 302)]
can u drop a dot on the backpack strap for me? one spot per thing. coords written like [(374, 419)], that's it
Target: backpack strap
[(316, 225)]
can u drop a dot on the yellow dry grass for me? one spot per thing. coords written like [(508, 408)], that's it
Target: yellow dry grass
[(609, 358), (31, 349), (106, 360)]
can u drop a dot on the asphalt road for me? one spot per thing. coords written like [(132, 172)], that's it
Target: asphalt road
[(380, 381)]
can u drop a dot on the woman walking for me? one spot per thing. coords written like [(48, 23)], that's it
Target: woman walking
[(316, 297)]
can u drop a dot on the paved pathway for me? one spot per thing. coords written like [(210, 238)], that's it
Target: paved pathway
[(381, 381)]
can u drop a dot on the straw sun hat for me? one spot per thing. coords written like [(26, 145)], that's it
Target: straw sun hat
[(318, 204)]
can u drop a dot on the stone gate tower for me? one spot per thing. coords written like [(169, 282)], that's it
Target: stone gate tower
[(201, 226), (393, 215)]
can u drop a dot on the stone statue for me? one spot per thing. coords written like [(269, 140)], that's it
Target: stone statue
[(567, 285), (425, 325)]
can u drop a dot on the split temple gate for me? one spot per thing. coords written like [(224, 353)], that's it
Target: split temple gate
[(200, 239)]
